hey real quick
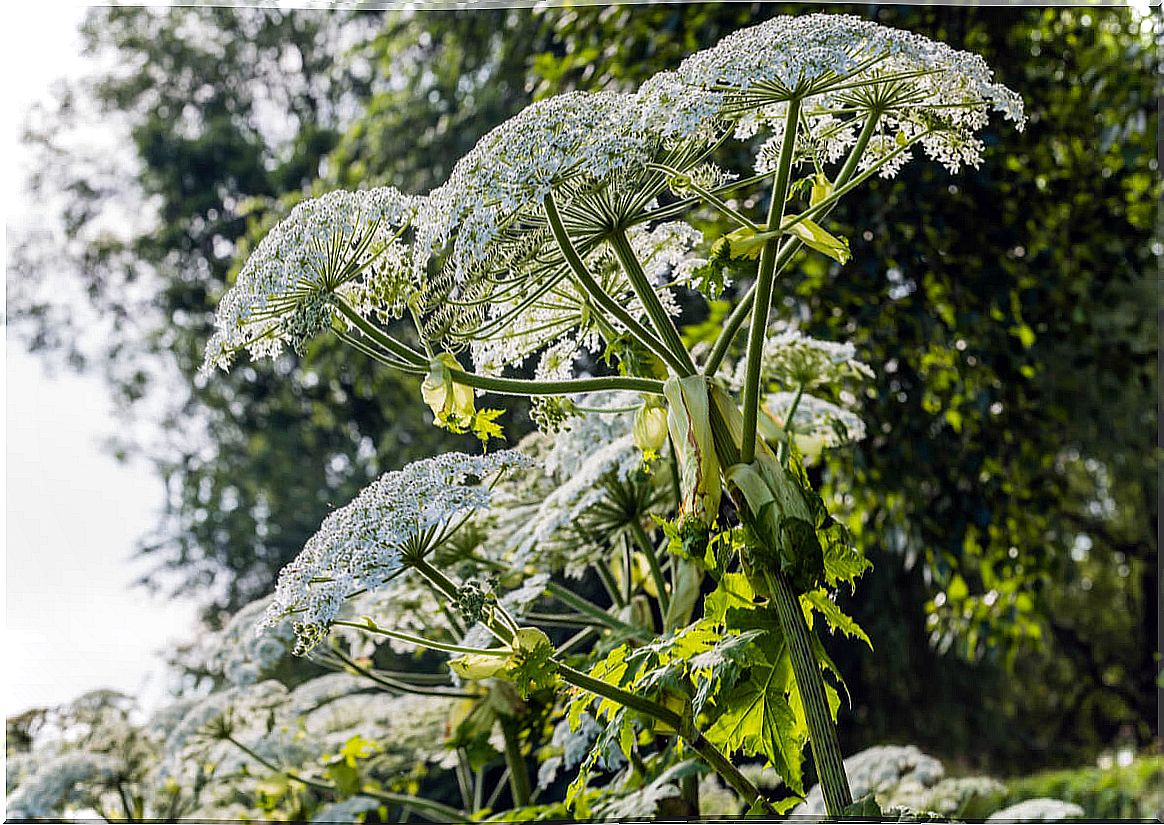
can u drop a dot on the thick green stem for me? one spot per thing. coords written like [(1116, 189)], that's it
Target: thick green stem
[(519, 386), (644, 543), (598, 294), (518, 775), (822, 731), (826, 749), (660, 320), (765, 277), (844, 184)]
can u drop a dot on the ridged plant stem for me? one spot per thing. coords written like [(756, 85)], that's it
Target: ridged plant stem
[(822, 731)]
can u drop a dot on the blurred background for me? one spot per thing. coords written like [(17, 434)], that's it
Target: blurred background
[(1008, 493)]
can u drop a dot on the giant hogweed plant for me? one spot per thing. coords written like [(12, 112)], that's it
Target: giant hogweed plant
[(559, 243)]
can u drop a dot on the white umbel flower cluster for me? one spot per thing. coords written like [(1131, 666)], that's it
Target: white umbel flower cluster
[(58, 782), (1038, 810), (878, 770), (363, 544), (816, 423), (793, 359), (241, 656), (200, 732), (847, 65), (592, 450), (341, 242), (578, 137)]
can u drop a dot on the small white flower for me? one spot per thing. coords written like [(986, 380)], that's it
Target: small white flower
[(1038, 810), (363, 545), (550, 521), (238, 654), (878, 770), (346, 811)]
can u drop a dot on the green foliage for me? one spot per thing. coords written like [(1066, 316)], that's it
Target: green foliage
[(1120, 792)]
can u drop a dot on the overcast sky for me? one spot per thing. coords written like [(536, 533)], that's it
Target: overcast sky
[(72, 513)]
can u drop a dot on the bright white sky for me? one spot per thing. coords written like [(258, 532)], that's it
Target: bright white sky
[(72, 513)]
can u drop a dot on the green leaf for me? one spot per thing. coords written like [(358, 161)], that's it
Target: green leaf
[(357, 748), (650, 428), (689, 422), (842, 561), (836, 618), (452, 404), (734, 590), (741, 243), (486, 427), (345, 776), (531, 667), (758, 720), (822, 187)]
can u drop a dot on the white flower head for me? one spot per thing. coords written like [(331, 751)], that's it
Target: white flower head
[(793, 359), (582, 138), (348, 810), (364, 544), (240, 655), (554, 524), (340, 242), (501, 265), (238, 710), (69, 777), (877, 770), (816, 423), (845, 64), (1042, 809)]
